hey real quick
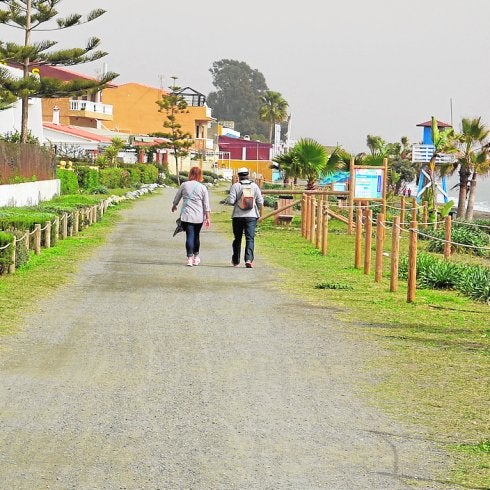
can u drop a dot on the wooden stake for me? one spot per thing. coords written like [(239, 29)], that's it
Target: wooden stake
[(14, 251), (447, 237), (378, 274), (367, 244), (313, 220), (325, 228), (395, 254), (319, 223), (64, 227), (37, 239), (402, 210), (412, 263), (425, 214), (358, 250), (47, 235)]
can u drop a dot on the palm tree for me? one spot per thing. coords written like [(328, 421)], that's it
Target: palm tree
[(311, 157), (480, 166), (473, 133), (289, 165), (273, 110)]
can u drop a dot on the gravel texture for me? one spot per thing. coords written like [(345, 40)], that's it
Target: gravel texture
[(147, 374)]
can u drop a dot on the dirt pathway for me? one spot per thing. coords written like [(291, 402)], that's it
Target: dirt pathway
[(146, 374)]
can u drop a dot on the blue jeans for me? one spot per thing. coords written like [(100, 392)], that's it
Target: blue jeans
[(241, 226), (192, 238)]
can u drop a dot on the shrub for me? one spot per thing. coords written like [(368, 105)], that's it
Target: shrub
[(69, 181), (21, 251), (432, 272), (460, 234), (6, 252), (88, 178), (114, 177), (474, 282), (211, 174)]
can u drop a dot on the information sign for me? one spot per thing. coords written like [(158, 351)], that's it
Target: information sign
[(368, 183)]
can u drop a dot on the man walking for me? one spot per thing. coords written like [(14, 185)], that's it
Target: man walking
[(247, 203)]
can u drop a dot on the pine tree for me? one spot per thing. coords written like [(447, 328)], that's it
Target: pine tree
[(41, 15), (173, 104)]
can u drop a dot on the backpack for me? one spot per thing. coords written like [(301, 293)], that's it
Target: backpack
[(247, 200)]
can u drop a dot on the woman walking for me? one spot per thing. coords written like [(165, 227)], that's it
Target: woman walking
[(195, 212)]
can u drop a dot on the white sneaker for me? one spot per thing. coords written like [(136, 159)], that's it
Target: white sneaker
[(189, 261), (196, 260)]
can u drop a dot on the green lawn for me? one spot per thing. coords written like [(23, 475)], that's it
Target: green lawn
[(437, 371)]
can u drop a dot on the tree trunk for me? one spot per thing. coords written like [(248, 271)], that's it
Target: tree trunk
[(177, 166), (25, 98), (471, 198), (464, 175)]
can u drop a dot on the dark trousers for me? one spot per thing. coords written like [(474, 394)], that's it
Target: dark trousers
[(243, 226), (192, 238)]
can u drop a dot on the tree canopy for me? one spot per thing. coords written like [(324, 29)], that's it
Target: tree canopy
[(41, 15), (173, 104), (238, 96)]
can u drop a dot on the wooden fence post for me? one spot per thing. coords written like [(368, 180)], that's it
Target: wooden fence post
[(304, 205), (313, 219), (358, 245), (37, 239), (402, 210), (56, 234), (76, 222), (414, 209), (447, 237), (367, 244), (319, 223), (425, 214), (12, 263), (325, 228), (47, 235), (64, 227), (412, 262), (378, 271), (395, 254), (27, 239), (94, 211)]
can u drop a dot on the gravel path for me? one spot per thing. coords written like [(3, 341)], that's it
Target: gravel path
[(146, 374)]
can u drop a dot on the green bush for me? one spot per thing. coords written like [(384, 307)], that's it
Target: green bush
[(114, 177), (88, 178), (432, 272), (69, 181), (100, 189), (6, 253), (461, 234), (21, 251), (211, 174), (474, 282)]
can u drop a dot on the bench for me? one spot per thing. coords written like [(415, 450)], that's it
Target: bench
[(286, 216)]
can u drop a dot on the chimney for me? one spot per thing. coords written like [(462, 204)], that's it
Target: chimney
[(56, 115)]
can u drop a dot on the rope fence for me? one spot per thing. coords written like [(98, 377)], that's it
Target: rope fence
[(316, 211)]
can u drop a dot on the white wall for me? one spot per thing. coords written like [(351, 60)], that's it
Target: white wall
[(29, 193), (10, 119)]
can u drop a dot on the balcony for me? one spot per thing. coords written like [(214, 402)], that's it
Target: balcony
[(423, 154), (94, 110)]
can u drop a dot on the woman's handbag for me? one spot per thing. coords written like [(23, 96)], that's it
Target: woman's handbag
[(179, 228), (178, 221)]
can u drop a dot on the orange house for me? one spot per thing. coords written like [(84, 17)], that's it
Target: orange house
[(136, 112)]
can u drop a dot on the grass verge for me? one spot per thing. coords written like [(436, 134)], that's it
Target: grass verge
[(43, 273), (436, 373)]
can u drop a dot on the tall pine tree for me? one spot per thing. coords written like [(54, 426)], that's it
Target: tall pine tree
[(173, 104), (41, 15)]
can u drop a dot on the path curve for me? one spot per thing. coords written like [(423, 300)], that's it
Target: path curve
[(146, 374)]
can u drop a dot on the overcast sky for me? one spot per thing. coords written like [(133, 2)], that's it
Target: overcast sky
[(347, 68)]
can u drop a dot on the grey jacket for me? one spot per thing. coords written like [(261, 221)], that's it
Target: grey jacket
[(235, 196), (197, 205)]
